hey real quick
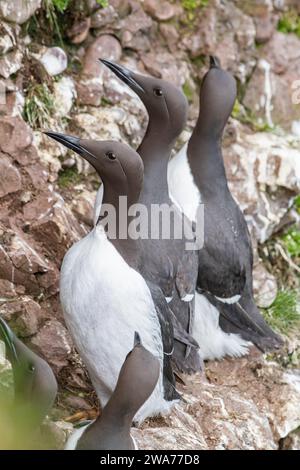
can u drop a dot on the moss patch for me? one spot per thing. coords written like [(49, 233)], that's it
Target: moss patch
[(68, 177), (191, 5)]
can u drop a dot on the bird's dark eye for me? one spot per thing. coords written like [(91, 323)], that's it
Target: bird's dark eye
[(110, 155), (31, 368), (158, 91)]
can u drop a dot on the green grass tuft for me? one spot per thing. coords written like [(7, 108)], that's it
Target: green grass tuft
[(289, 23), (39, 106), (291, 241), (284, 314), (68, 177), (51, 7)]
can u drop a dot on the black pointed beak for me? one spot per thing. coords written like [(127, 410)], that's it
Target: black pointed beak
[(7, 336), (214, 62), (73, 143), (137, 339), (124, 74), (67, 140)]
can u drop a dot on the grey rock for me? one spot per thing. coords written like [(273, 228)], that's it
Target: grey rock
[(23, 316), (10, 178), (53, 343), (270, 91), (264, 173), (90, 86), (264, 286), (103, 17), (10, 63), (18, 11), (160, 10), (7, 38), (79, 31), (54, 60)]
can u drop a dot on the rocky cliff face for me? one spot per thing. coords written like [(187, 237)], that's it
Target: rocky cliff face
[(50, 77)]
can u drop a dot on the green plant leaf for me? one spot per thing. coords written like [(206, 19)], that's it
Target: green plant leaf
[(289, 23), (102, 3), (291, 242), (61, 5)]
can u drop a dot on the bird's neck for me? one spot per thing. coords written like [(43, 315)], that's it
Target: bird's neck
[(205, 158), (114, 416), (116, 222), (155, 151)]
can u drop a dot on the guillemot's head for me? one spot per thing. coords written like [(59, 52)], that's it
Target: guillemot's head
[(217, 97), (138, 377), (35, 386), (118, 165), (166, 104)]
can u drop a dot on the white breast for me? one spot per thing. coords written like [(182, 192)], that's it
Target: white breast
[(105, 302), (214, 342), (182, 188)]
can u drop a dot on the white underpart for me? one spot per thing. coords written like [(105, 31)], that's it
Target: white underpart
[(104, 303), (213, 341), (182, 188), (98, 203), (230, 300), (72, 442), (188, 298)]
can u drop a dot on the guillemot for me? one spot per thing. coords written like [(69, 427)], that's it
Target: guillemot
[(35, 389), (111, 431), (104, 297), (166, 262), (197, 176)]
